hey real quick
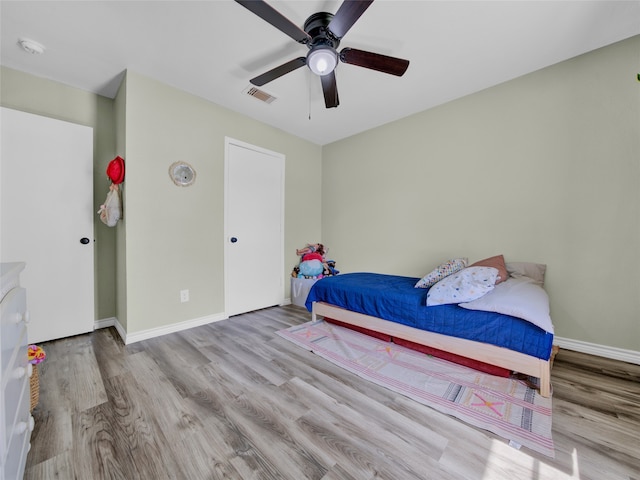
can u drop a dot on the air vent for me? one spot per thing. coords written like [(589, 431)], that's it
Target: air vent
[(259, 94)]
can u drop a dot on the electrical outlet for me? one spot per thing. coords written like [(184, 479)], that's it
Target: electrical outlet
[(184, 296)]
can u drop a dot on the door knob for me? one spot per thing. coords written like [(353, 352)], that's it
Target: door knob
[(234, 239), (84, 240)]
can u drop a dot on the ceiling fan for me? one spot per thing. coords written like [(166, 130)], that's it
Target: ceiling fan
[(322, 34)]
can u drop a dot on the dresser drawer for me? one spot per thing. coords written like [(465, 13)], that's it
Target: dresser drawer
[(10, 276), (16, 423), (13, 325), (16, 387), (18, 438)]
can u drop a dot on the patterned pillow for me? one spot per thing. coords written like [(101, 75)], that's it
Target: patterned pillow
[(463, 286), (496, 262), (442, 271)]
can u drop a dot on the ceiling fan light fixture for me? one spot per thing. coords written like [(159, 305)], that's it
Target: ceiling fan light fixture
[(322, 60)]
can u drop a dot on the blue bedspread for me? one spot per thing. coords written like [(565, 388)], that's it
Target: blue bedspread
[(394, 298)]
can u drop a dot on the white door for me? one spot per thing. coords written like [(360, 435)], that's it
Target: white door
[(254, 228), (47, 210)]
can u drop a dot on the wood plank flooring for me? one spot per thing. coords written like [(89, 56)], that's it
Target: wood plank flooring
[(233, 400)]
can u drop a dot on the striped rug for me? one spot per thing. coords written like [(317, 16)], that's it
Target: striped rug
[(507, 407)]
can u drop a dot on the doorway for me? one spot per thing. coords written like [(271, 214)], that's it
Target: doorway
[(254, 227), (47, 220)]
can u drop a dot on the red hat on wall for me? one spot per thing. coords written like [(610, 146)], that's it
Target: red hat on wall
[(115, 170)]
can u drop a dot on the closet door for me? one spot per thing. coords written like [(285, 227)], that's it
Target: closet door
[(254, 228), (47, 219)]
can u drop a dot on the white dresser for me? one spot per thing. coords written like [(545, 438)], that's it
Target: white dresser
[(16, 422)]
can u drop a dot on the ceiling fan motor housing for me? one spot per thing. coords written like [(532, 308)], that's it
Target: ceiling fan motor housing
[(316, 26)]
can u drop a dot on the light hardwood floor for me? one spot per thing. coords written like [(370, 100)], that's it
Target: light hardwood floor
[(233, 400)]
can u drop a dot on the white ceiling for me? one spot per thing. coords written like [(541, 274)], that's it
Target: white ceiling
[(212, 49)]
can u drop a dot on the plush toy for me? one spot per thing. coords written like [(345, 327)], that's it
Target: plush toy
[(35, 354), (313, 263), (310, 248), (330, 268)]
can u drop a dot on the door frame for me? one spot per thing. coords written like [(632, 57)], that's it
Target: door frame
[(228, 142)]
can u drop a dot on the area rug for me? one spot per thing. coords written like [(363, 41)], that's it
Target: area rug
[(508, 407)]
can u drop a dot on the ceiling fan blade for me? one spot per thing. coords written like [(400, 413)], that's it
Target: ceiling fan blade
[(277, 72), (374, 61), (348, 13), (330, 90), (275, 18)]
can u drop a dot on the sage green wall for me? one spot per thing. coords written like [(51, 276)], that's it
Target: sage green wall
[(120, 104), (174, 235), (36, 95), (544, 168)]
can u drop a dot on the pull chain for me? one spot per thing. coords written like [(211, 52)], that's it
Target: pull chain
[(309, 95)]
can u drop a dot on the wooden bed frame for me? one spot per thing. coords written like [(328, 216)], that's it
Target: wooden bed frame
[(483, 352)]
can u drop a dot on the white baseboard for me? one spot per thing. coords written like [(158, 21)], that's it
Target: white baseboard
[(111, 322), (614, 353), (174, 327), (104, 323), (121, 331), (134, 337)]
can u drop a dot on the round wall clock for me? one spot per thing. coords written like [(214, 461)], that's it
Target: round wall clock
[(182, 174)]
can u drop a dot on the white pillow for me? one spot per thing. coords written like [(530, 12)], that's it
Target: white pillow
[(535, 271), (463, 286), (519, 297)]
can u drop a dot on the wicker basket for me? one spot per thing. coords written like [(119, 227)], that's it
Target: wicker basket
[(35, 388)]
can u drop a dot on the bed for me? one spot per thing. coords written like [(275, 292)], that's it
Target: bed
[(390, 305)]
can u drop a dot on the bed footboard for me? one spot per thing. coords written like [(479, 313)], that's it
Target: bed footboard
[(484, 352)]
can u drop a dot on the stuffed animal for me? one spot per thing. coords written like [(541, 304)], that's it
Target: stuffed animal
[(310, 248), (312, 262), (35, 354), (330, 268)]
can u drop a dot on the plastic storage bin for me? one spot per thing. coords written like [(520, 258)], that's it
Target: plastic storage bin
[(300, 289)]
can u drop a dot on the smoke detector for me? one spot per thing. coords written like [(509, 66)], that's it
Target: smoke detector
[(31, 46)]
